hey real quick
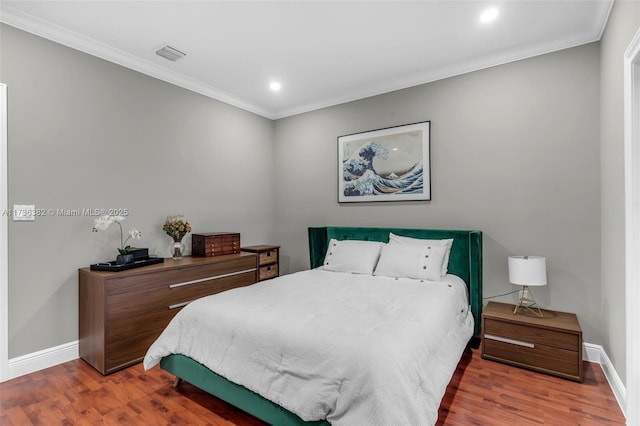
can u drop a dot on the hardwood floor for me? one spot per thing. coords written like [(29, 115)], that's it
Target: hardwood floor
[(484, 392), (481, 393)]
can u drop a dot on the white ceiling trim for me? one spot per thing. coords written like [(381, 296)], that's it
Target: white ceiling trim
[(435, 75), (447, 72), (45, 29)]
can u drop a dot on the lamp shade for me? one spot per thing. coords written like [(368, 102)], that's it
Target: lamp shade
[(528, 270)]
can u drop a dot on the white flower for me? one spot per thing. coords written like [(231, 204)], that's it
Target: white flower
[(102, 223)]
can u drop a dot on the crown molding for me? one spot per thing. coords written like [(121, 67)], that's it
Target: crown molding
[(31, 24), (74, 40), (441, 73)]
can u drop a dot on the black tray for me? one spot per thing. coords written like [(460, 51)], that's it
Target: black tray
[(114, 267)]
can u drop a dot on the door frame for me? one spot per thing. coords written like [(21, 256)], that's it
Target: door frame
[(4, 240), (632, 226)]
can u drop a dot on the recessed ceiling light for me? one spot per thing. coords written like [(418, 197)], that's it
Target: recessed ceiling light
[(275, 86), (489, 15)]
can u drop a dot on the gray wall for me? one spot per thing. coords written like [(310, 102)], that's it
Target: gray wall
[(624, 22), (85, 133), (514, 152)]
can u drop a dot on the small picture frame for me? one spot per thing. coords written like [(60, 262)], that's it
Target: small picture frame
[(391, 164)]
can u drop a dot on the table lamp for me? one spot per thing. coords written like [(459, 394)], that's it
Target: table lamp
[(527, 271)]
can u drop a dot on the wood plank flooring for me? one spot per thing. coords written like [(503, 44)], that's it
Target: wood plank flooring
[(481, 393)]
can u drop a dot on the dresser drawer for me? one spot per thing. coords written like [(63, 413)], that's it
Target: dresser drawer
[(550, 359), (150, 322), (151, 281), (120, 353), (267, 272), (168, 296), (532, 334)]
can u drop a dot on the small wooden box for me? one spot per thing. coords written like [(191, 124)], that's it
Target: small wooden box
[(215, 244)]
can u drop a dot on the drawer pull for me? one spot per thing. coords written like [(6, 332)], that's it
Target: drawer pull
[(507, 340), (211, 278), (180, 305)]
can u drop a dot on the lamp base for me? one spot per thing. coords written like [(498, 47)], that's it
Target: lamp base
[(528, 302)]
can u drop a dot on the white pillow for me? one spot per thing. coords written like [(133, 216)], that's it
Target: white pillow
[(446, 243), (355, 256), (411, 261)]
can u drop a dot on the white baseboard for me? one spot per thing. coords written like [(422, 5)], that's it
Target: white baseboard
[(596, 353), (40, 360), (46, 358)]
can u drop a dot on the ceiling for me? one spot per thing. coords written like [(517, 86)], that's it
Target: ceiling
[(322, 52)]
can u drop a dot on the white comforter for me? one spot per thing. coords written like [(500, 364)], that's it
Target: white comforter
[(354, 349)]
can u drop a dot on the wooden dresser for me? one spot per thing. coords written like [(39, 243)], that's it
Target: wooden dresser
[(122, 313), (551, 344), (268, 260)]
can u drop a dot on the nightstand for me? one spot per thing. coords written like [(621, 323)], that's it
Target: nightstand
[(268, 260), (551, 344)]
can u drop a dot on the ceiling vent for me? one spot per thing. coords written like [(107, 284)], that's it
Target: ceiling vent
[(170, 53)]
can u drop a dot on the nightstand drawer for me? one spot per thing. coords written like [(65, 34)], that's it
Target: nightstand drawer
[(546, 358), (267, 272), (268, 257), (532, 334)]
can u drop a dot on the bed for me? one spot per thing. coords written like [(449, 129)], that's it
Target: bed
[(324, 363)]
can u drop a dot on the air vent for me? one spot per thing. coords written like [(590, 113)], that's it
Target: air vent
[(170, 53)]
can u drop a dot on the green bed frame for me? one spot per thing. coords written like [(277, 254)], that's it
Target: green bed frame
[(465, 261)]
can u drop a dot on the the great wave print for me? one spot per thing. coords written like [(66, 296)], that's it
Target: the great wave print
[(385, 165)]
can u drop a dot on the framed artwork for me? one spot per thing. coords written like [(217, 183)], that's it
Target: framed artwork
[(389, 164)]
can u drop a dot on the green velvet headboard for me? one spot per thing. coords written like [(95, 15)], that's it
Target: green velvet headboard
[(465, 260)]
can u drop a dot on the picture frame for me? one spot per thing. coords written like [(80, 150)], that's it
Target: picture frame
[(390, 164)]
